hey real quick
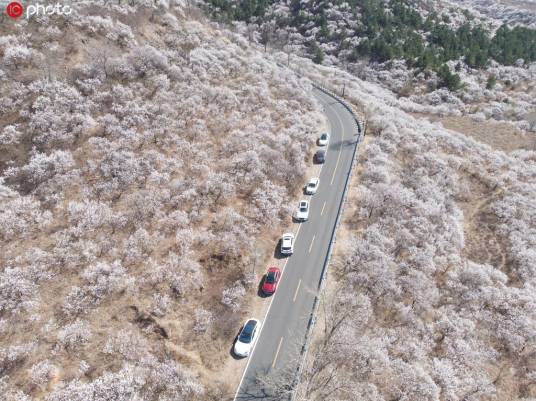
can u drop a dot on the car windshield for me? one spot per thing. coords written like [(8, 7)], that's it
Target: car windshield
[(303, 207), (247, 333), (324, 136), (312, 184), (270, 278)]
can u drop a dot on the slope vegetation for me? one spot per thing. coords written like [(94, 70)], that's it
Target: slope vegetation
[(143, 155), (433, 294), (449, 60)]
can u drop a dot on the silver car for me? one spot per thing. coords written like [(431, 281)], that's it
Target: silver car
[(312, 186), (287, 244), (302, 214), (323, 140)]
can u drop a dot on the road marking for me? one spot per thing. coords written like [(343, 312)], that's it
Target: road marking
[(297, 231), (336, 165), (340, 149), (296, 293), (311, 246), (277, 352), (329, 123), (283, 269), (264, 319), (322, 212), (330, 130)]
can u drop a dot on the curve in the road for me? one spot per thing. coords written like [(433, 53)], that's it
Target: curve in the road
[(277, 351)]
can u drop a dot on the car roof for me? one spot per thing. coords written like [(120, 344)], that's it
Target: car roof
[(271, 273), (250, 324)]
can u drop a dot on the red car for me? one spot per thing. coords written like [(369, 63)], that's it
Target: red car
[(270, 281)]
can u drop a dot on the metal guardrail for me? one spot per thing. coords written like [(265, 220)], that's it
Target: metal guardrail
[(361, 129), (352, 111)]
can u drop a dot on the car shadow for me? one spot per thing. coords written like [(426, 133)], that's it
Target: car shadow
[(231, 350), (277, 251)]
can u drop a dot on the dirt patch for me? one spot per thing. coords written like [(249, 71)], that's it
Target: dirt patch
[(520, 4), (498, 135), (482, 244)]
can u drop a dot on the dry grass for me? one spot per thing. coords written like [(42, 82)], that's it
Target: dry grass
[(498, 135), (168, 335), (482, 243), (520, 4)]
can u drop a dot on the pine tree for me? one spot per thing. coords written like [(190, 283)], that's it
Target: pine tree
[(492, 81), (448, 79), (318, 53)]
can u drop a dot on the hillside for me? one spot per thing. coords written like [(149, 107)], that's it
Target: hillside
[(431, 295), (514, 12), (151, 156), (438, 53), (144, 156)]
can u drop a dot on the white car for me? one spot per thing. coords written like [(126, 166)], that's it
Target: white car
[(247, 337), (287, 244), (302, 214), (323, 140), (312, 186)]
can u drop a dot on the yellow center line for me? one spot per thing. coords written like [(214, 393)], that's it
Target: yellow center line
[(296, 293), (277, 352), (322, 212), (311, 246)]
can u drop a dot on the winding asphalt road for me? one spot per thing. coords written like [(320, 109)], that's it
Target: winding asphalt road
[(276, 353)]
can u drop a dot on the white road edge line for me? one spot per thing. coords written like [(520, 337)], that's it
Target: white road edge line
[(277, 352), (296, 293), (330, 130), (295, 235), (263, 320)]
